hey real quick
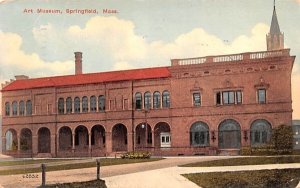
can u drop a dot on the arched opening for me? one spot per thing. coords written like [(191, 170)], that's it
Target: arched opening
[(81, 136), (98, 136), (143, 135), (199, 134), (156, 100), (65, 138), (119, 138), (260, 132), (229, 134), (44, 140), (26, 139), (11, 140), (162, 135)]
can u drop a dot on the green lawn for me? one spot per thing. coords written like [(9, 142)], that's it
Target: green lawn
[(247, 161), (103, 162), (262, 178), (30, 161)]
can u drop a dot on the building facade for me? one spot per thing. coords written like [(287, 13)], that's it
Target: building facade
[(206, 105)]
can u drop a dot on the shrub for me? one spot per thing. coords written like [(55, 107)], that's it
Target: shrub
[(282, 139), (136, 155)]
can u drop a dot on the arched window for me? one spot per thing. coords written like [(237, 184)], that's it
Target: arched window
[(69, 105), (260, 132), (199, 134), (15, 108), (61, 106), (156, 99), (29, 107), (21, 108), (93, 104), (101, 103), (138, 101), (7, 109), (77, 105), (147, 100), (85, 107), (166, 99)]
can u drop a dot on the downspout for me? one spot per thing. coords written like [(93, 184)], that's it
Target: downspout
[(132, 117)]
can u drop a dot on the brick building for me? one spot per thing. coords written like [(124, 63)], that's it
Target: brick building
[(195, 106)]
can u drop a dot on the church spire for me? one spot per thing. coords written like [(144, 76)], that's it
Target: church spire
[(275, 37)]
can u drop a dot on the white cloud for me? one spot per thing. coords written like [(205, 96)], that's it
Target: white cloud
[(14, 60), (298, 1)]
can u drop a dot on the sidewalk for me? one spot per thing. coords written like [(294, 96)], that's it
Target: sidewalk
[(172, 178)]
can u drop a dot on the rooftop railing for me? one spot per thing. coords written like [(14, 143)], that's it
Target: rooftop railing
[(231, 57)]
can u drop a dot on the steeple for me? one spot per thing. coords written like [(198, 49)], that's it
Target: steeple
[(275, 39)]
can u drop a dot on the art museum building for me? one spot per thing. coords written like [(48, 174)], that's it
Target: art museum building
[(205, 105)]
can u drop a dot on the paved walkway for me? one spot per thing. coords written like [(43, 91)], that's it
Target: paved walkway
[(164, 174)]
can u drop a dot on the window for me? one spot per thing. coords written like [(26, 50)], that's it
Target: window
[(101, 103), (229, 97), (85, 107), (147, 100), (93, 104), (261, 93), (196, 99), (69, 105), (29, 107), (138, 101), (199, 134), (239, 97), (156, 99), (7, 109), (15, 108), (61, 106), (260, 132), (166, 99), (77, 105), (21, 108)]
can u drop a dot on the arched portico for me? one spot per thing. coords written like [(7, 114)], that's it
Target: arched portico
[(98, 136), (26, 139), (229, 134), (81, 137), (143, 135), (162, 135), (44, 140), (65, 138), (119, 138), (11, 140)]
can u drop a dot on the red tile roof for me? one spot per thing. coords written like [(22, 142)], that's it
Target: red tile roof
[(69, 80)]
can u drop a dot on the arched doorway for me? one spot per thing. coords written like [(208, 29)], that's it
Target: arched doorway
[(199, 134), (162, 135), (98, 136), (260, 132), (26, 139), (81, 136), (11, 140), (229, 134), (65, 138), (119, 138), (44, 140), (143, 135)]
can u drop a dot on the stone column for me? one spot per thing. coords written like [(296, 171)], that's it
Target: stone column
[(34, 145), (108, 137), (90, 142), (3, 143), (73, 142), (152, 139), (129, 141), (53, 149), (19, 142)]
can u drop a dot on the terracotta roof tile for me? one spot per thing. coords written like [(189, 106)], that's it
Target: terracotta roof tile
[(101, 77)]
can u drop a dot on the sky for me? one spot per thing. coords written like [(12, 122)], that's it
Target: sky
[(137, 33)]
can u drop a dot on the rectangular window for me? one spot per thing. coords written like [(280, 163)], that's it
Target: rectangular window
[(261, 96), (239, 97), (218, 98), (196, 99)]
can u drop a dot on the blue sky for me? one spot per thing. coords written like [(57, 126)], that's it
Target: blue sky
[(143, 33)]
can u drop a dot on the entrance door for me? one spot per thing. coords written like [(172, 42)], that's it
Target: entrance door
[(165, 139), (229, 134)]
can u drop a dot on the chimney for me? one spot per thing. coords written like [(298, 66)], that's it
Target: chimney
[(78, 62)]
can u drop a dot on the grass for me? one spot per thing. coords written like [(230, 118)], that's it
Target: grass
[(247, 161), (103, 162), (30, 161), (87, 184), (261, 178)]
